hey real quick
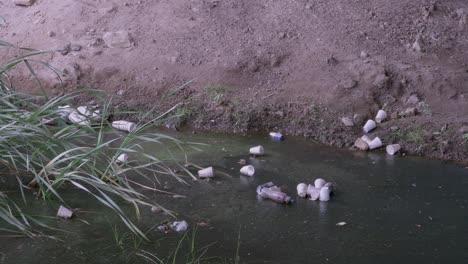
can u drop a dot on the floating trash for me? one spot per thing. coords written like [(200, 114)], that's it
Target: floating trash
[(258, 150), (276, 135), (124, 125), (324, 194), (341, 224), (273, 193), (318, 183), (313, 192), (206, 173), (375, 143), (392, 149), (122, 158), (248, 170), (64, 212), (76, 118), (178, 226), (302, 190)]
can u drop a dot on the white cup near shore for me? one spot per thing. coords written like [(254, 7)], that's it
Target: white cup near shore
[(248, 170), (381, 116), (122, 158), (392, 149), (370, 124), (206, 173), (124, 125), (258, 150), (375, 143), (301, 190), (64, 212), (330, 186), (318, 183), (313, 192), (324, 194), (65, 111)]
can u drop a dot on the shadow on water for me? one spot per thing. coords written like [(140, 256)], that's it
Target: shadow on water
[(397, 210)]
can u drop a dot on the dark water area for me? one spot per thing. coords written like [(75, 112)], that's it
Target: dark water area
[(396, 209)]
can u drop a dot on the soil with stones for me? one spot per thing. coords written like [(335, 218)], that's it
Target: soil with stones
[(296, 66)]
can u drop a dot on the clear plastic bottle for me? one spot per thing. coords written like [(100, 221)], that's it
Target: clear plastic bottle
[(276, 196)]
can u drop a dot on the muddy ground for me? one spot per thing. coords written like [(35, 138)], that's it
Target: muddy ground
[(295, 66)]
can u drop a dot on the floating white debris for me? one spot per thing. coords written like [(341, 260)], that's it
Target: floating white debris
[(302, 190), (63, 212), (258, 150), (206, 173), (248, 170), (124, 125), (318, 183), (341, 224), (370, 124), (392, 149)]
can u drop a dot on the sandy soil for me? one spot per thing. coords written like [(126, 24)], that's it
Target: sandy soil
[(295, 66)]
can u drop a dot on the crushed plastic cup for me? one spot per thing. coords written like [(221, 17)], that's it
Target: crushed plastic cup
[(361, 144), (375, 143), (276, 135), (124, 125), (122, 158), (248, 170), (65, 111), (265, 185), (76, 118), (258, 150), (206, 173), (313, 192), (324, 194), (83, 110), (179, 226), (318, 183), (64, 212), (392, 149), (381, 116), (370, 124), (302, 190)]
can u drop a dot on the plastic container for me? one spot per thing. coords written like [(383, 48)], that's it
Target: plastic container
[(206, 173), (302, 190), (381, 116), (64, 212), (279, 197), (313, 192), (122, 158), (265, 185), (258, 150), (65, 111), (375, 143), (370, 124), (324, 194), (248, 170), (392, 149), (124, 125), (318, 183), (276, 135)]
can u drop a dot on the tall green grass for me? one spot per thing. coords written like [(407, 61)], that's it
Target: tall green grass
[(52, 157)]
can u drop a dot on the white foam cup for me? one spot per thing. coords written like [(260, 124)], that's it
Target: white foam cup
[(206, 173), (248, 170), (370, 124)]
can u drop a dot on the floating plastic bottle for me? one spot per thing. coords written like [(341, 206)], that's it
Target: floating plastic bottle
[(277, 196)]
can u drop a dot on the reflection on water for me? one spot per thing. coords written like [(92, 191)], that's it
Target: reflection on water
[(397, 210)]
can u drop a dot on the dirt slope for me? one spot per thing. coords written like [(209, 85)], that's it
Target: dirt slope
[(292, 65)]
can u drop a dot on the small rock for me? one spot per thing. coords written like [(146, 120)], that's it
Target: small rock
[(394, 115), (348, 84), (381, 80), (361, 144), (417, 45), (347, 121), (65, 50), (282, 35), (364, 54), (75, 47), (409, 112), (24, 2), (51, 34), (118, 39), (358, 119), (464, 129), (393, 128), (120, 92), (413, 99)]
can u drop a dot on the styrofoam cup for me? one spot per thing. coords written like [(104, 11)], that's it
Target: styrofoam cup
[(366, 139), (248, 170), (276, 135), (302, 190), (324, 194), (370, 124), (318, 183), (258, 150), (65, 111), (392, 149), (206, 173), (124, 125), (64, 212), (122, 158), (381, 116), (313, 192), (84, 110), (76, 118), (375, 143)]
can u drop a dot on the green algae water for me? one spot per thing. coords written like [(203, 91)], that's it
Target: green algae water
[(396, 209)]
